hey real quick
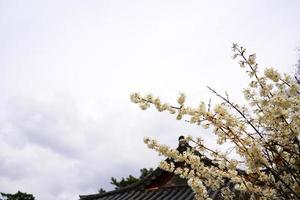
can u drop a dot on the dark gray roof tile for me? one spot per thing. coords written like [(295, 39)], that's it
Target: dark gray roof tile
[(177, 195)]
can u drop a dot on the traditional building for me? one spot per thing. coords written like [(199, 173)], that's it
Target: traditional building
[(159, 185)]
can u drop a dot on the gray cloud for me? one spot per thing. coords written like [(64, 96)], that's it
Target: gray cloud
[(49, 149), (51, 126)]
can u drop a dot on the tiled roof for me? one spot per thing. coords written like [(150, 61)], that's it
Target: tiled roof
[(160, 185), (182, 192), (154, 180), (164, 193), (152, 188)]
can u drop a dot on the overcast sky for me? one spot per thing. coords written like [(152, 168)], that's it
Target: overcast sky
[(67, 69)]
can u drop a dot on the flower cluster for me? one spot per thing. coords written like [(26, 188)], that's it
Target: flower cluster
[(264, 131)]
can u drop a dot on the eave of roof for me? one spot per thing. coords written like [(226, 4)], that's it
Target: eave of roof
[(182, 192)]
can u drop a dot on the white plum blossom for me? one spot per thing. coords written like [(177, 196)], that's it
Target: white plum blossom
[(265, 134)]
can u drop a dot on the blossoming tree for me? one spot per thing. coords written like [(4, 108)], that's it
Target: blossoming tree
[(264, 131)]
